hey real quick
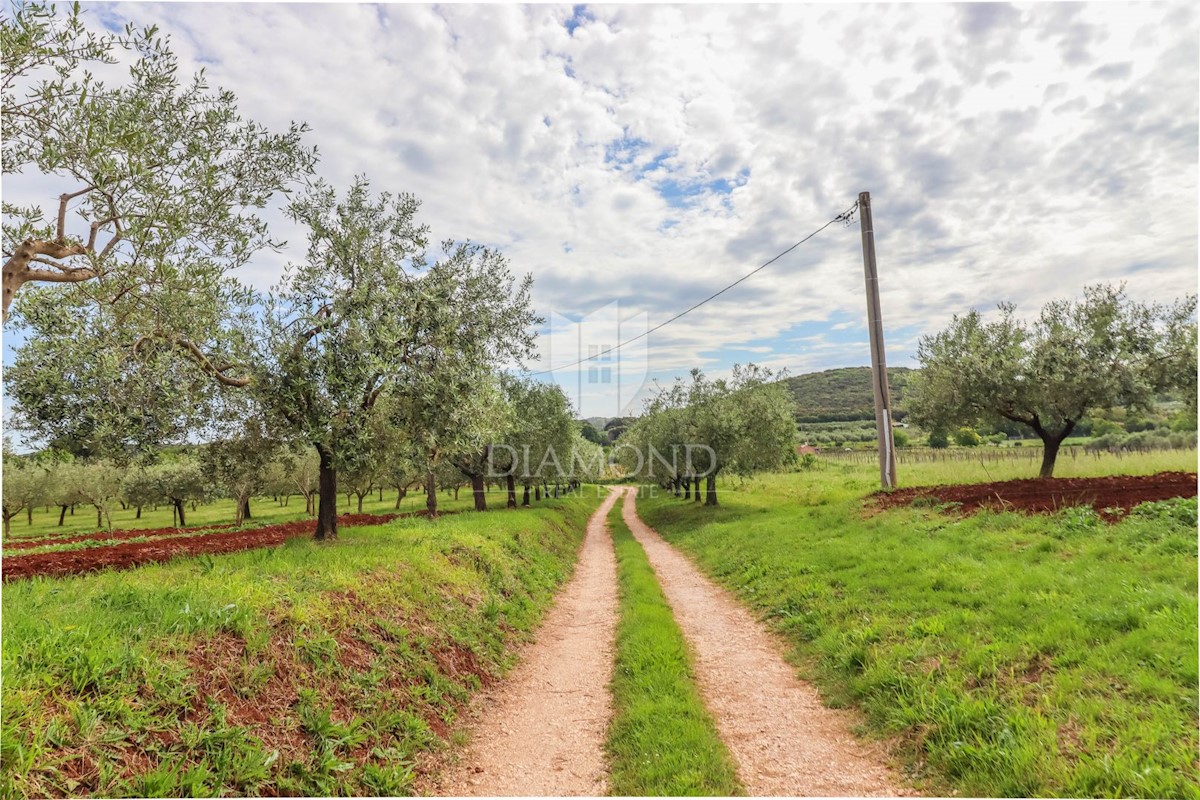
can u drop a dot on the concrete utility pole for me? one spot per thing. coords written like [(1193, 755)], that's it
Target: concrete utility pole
[(879, 378)]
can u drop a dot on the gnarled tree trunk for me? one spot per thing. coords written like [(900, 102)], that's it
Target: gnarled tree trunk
[(327, 501), (511, 482)]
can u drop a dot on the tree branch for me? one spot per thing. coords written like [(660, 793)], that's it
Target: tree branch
[(64, 276), (192, 349), (63, 199)]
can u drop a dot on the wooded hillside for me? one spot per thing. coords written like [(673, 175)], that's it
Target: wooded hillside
[(839, 395)]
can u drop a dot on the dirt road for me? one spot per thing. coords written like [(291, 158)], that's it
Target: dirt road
[(542, 731), (783, 740)]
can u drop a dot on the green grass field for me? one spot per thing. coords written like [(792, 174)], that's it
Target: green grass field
[(264, 511), (662, 741), (1009, 655), (305, 669)]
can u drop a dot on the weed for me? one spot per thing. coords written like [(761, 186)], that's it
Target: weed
[(661, 740)]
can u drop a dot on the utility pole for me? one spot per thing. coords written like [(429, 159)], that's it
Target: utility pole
[(879, 378)]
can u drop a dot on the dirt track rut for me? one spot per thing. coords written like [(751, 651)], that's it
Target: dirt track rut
[(542, 730), (783, 740)]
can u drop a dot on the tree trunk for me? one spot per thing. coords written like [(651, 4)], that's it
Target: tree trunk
[(696, 489), (537, 492), (687, 489), (381, 494), (138, 515), (480, 492), (401, 492), (431, 494), (360, 499), (525, 496), (179, 512), (29, 515), (711, 499), (456, 488), (7, 518), (62, 514), (327, 501), (1051, 443), (243, 511), (511, 481)]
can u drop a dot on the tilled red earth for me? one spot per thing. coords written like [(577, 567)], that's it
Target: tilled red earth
[(99, 536), (1047, 495), (132, 554)]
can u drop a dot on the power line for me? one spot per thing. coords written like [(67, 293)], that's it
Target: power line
[(845, 216)]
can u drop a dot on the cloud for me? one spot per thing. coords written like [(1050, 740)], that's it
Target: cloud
[(655, 153)]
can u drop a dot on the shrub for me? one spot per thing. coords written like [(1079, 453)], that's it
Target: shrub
[(938, 439), (900, 438), (967, 437)]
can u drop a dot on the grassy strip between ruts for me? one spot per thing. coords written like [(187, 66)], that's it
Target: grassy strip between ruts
[(1012, 655), (304, 669), (662, 741)]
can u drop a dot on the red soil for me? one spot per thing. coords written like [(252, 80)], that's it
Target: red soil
[(45, 541), (1046, 495), (132, 554)]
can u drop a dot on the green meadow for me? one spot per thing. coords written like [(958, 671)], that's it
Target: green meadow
[(305, 669), (1007, 655), (264, 510)]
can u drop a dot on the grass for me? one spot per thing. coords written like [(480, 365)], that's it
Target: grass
[(1010, 655), (662, 741), (925, 466), (265, 511), (305, 669)]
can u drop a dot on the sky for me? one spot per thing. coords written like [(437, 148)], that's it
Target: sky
[(637, 158)]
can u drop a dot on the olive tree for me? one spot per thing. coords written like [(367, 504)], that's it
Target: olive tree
[(24, 488), (339, 329), (1101, 351), (240, 465), (97, 483), (490, 417), (476, 317), (740, 425), (162, 173), (366, 316), (539, 422), (126, 294)]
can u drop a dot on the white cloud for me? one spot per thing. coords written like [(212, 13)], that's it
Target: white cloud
[(1012, 153)]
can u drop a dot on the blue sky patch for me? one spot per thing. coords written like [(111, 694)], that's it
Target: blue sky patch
[(579, 15)]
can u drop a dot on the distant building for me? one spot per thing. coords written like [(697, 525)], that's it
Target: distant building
[(807, 449)]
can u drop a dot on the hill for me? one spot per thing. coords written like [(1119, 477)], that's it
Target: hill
[(844, 395)]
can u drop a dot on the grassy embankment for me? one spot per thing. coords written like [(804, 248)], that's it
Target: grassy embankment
[(662, 741), (1010, 655), (306, 669), (265, 511)]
